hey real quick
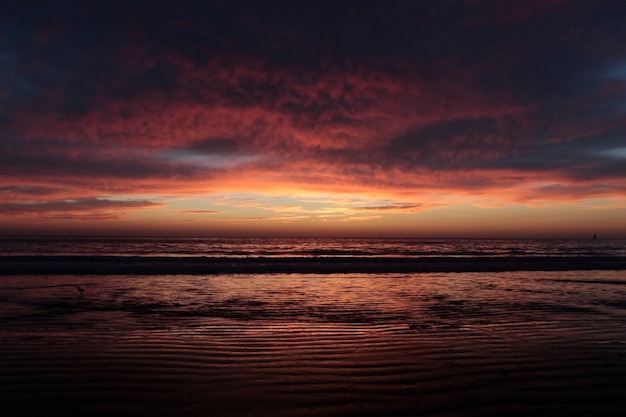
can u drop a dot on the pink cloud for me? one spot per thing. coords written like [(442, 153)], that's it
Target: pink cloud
[(474, 108)]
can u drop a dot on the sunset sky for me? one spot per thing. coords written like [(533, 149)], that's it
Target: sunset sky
[(311, 118)]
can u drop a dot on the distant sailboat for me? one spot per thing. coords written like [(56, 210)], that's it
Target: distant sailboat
[(594, 236)]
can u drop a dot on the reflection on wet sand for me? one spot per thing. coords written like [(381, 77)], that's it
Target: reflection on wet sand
[(470, 344)]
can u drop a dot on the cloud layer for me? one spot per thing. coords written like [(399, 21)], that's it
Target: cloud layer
[(401, 102)]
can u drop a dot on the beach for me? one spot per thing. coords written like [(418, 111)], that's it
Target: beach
[(377, 344)]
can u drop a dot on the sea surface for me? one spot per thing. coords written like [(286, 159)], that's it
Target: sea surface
[(307, 247), (520, 343)]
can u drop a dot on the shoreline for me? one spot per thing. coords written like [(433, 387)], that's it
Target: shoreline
[(137, 265)]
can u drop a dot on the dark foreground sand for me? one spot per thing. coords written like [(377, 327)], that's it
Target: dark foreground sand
[(465, 344)]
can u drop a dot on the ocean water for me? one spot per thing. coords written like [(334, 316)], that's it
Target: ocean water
[(307, 247)]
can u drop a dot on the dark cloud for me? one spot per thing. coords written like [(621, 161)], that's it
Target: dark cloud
[(398, 207), (88, 217), (55, 158), (464, 95), (201, 211), (73, 205), (589, 157), (28, 190), (456, 144), (220, 146)]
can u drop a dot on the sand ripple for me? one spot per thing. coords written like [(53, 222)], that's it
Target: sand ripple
[(460, 345)]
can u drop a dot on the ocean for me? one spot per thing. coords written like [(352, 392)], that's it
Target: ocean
[(383, 342), (307, 247)]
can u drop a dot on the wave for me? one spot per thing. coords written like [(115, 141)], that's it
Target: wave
[(303, 247), (119, 265)]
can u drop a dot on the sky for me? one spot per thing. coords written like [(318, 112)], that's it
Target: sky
[(446, 118)]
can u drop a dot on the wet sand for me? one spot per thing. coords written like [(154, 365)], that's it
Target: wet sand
[(460, 344), (13, 265)]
